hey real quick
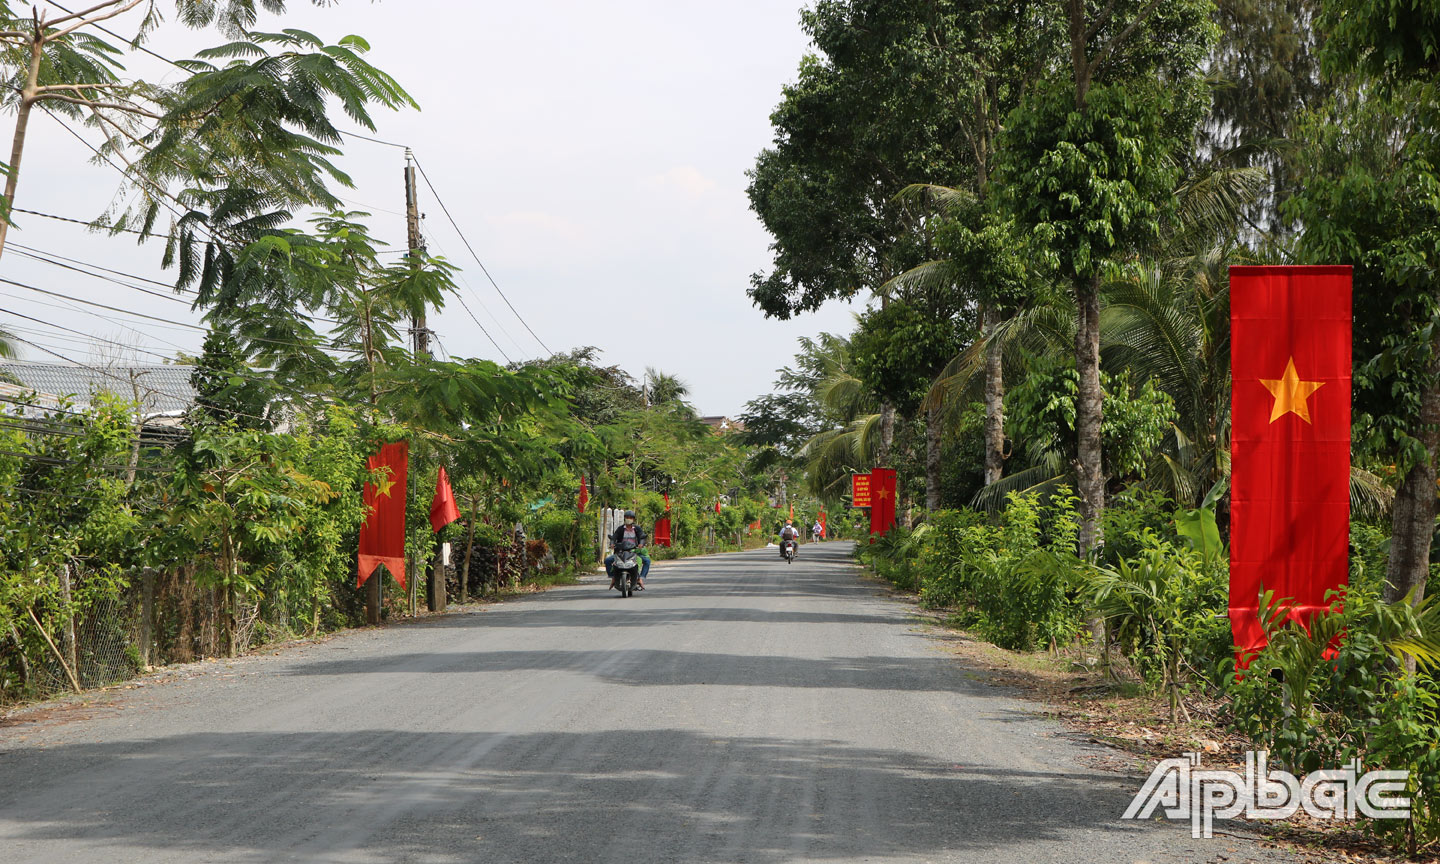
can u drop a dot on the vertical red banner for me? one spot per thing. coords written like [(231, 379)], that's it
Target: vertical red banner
[(1290, 331), (382, 537), (584, 497), (882, 500)]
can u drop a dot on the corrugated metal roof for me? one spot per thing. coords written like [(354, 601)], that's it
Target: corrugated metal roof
[(162, 389)]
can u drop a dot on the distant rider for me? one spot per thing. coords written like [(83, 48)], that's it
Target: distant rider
[(635, 534), (817, 530), (788, 533)]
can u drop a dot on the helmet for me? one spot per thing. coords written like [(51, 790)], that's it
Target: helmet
[(629, 514)]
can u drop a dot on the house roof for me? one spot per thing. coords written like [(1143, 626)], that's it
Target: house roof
[(162, 389), (721, 423)]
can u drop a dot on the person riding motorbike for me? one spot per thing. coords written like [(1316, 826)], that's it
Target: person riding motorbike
[(635, 534), (788, 534), (817, 530)]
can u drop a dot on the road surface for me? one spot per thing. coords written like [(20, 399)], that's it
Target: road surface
[(741, 710)]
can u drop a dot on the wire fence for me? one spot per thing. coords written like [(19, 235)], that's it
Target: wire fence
[(100, 648)]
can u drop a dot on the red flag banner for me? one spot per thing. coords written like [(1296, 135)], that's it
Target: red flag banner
[(823, 526), (662, 531), (382, 537), (859, 490), (667, 503), (882, 496), (1290, 442), (717, 505), (442, 507), (584, 495)]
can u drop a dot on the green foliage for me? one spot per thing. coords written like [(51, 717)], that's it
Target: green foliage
[(1096, 183), (1336, 694), (1017, 577), (1136, 421), (897, 350)]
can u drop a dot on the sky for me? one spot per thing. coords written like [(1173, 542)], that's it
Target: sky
[(594, 155)]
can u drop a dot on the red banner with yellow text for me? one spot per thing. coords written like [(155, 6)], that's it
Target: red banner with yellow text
[(1290, 333), (859, 490)]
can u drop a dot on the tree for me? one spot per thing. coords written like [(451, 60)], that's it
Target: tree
[(1267, 67), (61, 65), (850, 133), (1372, 199), (896, 352), (1088, 167)]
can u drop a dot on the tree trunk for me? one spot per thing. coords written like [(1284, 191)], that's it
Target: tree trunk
[(994, 404), (887, 433), (20, 654), (1413, 517), (67, 630), (1089, 411), (933, 432), (22, 122)]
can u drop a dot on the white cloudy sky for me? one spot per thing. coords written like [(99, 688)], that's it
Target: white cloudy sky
[(593, 153)]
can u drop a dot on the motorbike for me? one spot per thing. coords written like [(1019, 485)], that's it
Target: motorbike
[(788, 549), (626, 567)]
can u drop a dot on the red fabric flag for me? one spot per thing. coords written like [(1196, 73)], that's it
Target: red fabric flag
[(823, 526), (584, 495), (882, 500), (442, 507), (667, 503), (662, 531), (1290, 442), (792, 512), (717, 505), (382, 537)]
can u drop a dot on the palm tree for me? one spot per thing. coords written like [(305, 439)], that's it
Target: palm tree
[(854, 442)]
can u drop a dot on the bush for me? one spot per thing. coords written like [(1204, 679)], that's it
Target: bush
[(1318, 699)]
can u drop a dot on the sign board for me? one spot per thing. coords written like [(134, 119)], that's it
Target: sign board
[(859, 490)]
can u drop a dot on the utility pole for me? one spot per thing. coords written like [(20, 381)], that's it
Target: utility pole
[(418, 330), (420, 334)]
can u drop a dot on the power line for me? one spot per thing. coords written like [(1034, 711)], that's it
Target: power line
[(90, 225), (372, 140), (430, 239), (45, 256), (466, 241)]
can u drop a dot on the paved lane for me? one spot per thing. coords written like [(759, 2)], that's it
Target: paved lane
[(741, 710)]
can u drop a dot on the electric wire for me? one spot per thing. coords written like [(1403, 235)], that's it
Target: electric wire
[(466, 241), (429, 240)]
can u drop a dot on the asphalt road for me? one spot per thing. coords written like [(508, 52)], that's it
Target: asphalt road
[(741, 710)]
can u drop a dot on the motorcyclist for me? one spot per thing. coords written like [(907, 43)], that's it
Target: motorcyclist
[(635, 534), (788, 533), (817, 530)]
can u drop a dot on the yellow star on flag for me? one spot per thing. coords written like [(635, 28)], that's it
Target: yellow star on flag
[(884, 493), (382, 488), (1290, 393)]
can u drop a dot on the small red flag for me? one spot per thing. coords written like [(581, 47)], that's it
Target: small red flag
[(442, 507), (382, 537), (717, 505), (667, 503), (1290, 442), (584, 494), (882, 498), (792, 511)]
